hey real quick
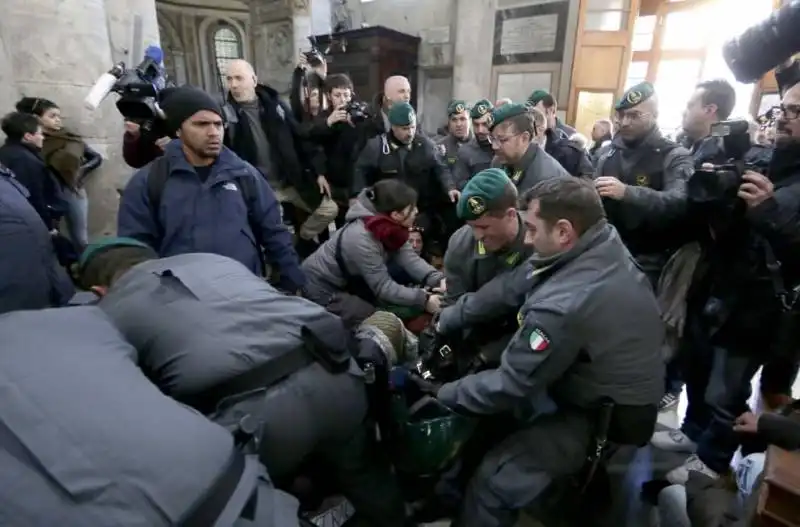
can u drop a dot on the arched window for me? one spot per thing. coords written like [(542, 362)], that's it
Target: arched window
[(227, 46)]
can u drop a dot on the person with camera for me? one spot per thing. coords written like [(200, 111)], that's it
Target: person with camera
[(349, 275), (201, 197), (404, 154), (589, 332), (339, 130), (491, 244), (262, 131), (742, 307)]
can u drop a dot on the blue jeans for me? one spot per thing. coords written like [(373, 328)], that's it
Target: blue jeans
[(77, 217)]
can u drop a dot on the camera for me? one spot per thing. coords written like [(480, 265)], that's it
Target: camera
[(358, 111), (764, 45), (138, 88), (721, 182)]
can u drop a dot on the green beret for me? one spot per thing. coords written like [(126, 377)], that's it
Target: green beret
[(481, 108), (480, 191), (456, 106), (401, 114), (501, 113), (95, 248), (635, 96), (536, 97)]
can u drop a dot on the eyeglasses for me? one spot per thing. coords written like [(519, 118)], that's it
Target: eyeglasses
[(631, 116), (790, 112), (501, 140)]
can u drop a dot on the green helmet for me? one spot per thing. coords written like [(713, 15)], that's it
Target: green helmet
[(428, 436)]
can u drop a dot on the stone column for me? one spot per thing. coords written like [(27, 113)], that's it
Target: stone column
[(57, 49), (472, 66)]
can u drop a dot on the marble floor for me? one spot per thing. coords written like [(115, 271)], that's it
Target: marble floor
[(671, 419)]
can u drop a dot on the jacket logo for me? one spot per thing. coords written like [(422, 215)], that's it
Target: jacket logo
[(642, 180), (230, 186), (476, 205)]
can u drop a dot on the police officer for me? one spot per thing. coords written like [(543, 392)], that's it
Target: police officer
[(404, 154), (458, 136), (87, 439), (590, 331), (642, 179), (571, 154), (214, 336), (477, 155), (492, 243), (526, 163)]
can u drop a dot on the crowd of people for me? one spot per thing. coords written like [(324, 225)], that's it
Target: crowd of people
[(279, 265)]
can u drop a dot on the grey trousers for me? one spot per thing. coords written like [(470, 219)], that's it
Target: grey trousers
[(515, 473)]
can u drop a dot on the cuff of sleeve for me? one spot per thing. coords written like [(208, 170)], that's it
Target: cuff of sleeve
[(447, 394)]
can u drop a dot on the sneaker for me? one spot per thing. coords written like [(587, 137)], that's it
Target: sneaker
[(673, 441), (668, 401), (680, 475)]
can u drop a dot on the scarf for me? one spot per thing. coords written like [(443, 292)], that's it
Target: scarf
[(388, 232)]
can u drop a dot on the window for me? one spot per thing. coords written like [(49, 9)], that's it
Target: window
[(227, 46), (637, 72), (643, 31), (591, 107), (607, 15)]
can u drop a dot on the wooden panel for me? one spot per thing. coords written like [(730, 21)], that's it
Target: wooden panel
[(599, 68), (601, 58)]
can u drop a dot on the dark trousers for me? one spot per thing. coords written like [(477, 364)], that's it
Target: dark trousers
[(718, 387), (778, 376), (674, 381)]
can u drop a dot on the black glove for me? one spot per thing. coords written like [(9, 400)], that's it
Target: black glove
[(425, 387)]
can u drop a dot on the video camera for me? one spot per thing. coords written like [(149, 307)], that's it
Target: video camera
[(138, 88), (358, 111), (721, 182)]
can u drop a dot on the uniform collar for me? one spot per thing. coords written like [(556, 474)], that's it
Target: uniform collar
[(516, 171), (512, 254), (598, 233)]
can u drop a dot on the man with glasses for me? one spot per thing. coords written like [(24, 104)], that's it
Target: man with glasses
[(642, 179), (513, 131)]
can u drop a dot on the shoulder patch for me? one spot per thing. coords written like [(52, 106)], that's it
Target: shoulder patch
[(539, 341)]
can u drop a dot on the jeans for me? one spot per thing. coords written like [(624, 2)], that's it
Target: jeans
[(77, 217), (718, 387)]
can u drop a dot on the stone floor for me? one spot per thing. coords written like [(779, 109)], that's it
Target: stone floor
[(643, 462)]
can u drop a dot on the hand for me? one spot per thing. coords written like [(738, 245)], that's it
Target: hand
[(339, 115), (434, 304), (442, 287), (321, 69), (302, 62), (610, 187), (324, 187), (454, 195), (755, 189), (163, 142), (746, 423), (424, 386), (132, 128)]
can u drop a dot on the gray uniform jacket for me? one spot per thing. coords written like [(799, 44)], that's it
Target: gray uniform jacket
[(590, 329), (365, 257), (468, 265), (87, 440), (201, 319), (535, 166), (463, 158)]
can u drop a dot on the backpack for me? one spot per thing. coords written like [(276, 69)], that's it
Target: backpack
[(157, 181)]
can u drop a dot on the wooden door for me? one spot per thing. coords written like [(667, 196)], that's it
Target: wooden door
[(600, 64)]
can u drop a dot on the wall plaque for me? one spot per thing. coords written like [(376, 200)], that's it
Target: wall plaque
[(534, 33)]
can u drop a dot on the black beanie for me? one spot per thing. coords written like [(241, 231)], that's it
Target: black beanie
[(184, 102)]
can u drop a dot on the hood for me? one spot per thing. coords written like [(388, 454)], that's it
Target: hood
[(362, 208)]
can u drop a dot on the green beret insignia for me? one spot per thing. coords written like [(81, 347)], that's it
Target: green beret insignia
[(481, 108), (460, 108), (634, 97), (476, 205), (642, 180), (456, 106), (507, 111)]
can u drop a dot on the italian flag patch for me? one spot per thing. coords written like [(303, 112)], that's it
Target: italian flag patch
[(539, 341)]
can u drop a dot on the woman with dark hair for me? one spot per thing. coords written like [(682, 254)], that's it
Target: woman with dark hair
[(70, 159), (349, 273)]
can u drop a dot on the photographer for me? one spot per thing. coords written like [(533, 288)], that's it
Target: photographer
[(139, 147), (739, 311), (338, 131)]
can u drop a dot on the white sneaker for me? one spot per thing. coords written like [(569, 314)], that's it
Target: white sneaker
[(680, 475), (673, 441), (668, 401)]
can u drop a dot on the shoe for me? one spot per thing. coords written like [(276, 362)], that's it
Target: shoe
[(680, 475), (668, 401), (673, 441)]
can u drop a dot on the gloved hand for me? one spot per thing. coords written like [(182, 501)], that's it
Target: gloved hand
[(425, 387)]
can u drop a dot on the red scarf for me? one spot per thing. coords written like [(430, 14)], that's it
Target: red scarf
[(391, 234)]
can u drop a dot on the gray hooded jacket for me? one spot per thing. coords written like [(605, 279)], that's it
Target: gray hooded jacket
[(86, 439), (365, 257)]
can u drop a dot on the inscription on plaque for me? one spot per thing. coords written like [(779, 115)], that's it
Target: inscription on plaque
[(530, 34)]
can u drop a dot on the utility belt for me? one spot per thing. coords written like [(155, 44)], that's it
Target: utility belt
[(326, 344)]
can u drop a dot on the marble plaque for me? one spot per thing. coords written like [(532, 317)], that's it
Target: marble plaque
[(530, 34), (518, 86), (534, 33)]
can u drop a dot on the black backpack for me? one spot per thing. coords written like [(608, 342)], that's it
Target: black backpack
[(157, 181)]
